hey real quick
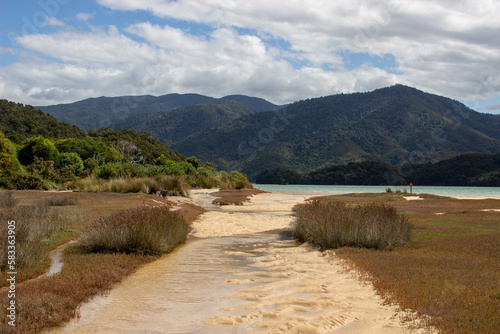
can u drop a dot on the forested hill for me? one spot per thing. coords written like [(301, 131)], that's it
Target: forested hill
[(19, 122), (391, 125), (176, 125), (463, 170), (94, 113)]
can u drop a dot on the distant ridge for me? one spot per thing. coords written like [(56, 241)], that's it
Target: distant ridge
[(94, 113)]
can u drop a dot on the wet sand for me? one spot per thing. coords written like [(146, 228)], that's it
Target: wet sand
[(237, 274)]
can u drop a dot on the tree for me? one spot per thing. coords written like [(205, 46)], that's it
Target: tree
[(70, 160), (37, 147), (194, 161)]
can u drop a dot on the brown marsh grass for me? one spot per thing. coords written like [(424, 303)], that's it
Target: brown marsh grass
[(38, 228), (61, 200), (449, 275)]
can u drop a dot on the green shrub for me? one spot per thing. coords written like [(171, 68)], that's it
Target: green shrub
[(26, 180), (334, 224), (185, 168), (111, 170), (161, 160), (37, 147), (143, 230), (72, 160)]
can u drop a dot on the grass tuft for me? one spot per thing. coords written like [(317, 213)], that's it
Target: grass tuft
[(334, 224), (143, 230), (62, 200), (33, 225), (7, 199)]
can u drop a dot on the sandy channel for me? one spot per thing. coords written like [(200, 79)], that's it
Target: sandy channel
[(296, 289), (238, 274)]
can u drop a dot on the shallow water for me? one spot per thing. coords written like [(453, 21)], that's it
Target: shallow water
[(459, 192), (177, 293)]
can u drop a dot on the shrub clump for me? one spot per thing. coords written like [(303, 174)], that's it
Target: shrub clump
[(334, 224), (143, 230)]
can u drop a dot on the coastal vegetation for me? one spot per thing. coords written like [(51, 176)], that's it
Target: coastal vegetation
[(143, 230), (447, 276), (334, 224), (31, 157)]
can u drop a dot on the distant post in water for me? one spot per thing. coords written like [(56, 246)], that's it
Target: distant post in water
[(411, 185)]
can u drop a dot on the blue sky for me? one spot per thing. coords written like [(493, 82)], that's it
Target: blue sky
[(56, 51)]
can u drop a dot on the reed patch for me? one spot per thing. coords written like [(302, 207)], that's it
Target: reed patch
[(142, 230), (334, 224)]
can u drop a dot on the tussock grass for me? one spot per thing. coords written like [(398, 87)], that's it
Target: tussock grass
[(143, 230), (62, 200), (334, 224), (49, 301), (7, 199), (34, 226)]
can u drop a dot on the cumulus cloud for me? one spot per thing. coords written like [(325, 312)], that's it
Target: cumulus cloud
[(282, 52)]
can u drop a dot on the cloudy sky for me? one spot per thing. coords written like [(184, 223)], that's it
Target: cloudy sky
[(55, 51)]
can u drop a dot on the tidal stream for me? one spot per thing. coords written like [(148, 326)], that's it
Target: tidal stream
[(239, 272), (177, 293)]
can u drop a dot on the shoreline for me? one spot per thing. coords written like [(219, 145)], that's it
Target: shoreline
[(326, 190)]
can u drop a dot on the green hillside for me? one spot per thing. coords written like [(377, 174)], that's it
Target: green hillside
[(390, 125), (176, 125)]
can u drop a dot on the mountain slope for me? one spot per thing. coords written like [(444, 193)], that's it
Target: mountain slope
[(103, 111), (392, 125), (176, 125)]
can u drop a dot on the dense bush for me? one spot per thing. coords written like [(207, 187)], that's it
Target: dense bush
[(143, 230), (72, 160), (37, 147), (334, 224)]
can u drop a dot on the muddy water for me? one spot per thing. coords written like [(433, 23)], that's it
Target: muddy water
[(179, 292)]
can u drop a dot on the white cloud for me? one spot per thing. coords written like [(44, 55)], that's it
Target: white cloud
[(84, 17), (448, 47), (53, 22)]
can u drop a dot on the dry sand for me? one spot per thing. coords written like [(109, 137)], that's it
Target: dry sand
[(296, 289)]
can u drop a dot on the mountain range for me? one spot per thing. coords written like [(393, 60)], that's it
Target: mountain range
[(394, 125), (94, 113)]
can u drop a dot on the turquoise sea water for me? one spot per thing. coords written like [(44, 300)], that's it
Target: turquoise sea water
[(459, 192)]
